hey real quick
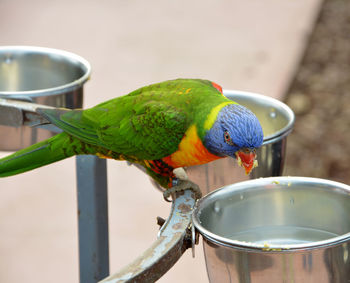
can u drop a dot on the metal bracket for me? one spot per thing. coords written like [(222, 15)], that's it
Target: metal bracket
[(17, 113)]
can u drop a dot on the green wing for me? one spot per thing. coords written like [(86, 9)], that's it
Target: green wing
[(146, 130), (146, 124)]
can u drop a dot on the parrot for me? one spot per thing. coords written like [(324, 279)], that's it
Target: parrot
[(161, 128)]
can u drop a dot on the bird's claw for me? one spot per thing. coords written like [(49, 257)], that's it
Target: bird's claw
[(182, 185)]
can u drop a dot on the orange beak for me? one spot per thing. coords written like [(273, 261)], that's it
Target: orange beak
[(246, 159)]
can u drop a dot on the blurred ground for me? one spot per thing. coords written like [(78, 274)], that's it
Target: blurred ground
[(319, 146)]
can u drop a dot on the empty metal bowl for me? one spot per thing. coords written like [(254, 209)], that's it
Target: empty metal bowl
[(41, 75)]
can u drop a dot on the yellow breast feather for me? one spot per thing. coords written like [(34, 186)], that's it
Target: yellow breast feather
[(191, 151)]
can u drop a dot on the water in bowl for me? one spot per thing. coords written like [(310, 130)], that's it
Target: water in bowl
[(282, 235)]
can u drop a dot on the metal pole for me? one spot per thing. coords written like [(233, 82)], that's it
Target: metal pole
[(92, 218)]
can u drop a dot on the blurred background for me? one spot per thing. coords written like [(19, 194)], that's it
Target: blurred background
[(320, 98), (296, 51)]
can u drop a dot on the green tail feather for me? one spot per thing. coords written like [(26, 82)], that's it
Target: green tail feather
[(51, 150)]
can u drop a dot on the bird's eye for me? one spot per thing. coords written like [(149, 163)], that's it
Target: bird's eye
[(228, 139)]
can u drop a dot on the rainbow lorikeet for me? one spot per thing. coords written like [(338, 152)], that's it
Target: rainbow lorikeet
[(159, 127)]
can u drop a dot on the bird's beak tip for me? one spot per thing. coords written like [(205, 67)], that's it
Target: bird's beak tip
[(247, 160)]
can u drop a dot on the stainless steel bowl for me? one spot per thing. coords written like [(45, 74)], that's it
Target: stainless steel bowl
[(277, 121), (41, 75), (278, 229)]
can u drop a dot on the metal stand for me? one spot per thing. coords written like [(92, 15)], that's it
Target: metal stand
[(92, 218)]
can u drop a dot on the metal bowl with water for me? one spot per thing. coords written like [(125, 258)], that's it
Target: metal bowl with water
[(40, 75), (277, 229)]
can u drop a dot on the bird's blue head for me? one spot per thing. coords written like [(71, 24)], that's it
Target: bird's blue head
[(236, 133)]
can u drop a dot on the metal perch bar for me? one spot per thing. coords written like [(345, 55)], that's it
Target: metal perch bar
[(173, 239)]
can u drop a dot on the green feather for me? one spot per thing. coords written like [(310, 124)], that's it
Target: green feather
[(51, 150)]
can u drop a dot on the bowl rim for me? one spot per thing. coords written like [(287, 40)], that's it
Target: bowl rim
[(65, 88), (258, 247)]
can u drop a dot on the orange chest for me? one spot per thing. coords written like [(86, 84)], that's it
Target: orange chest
[(191, 151)]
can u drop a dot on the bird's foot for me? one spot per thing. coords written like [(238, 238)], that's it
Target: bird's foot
[(182, 185)]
